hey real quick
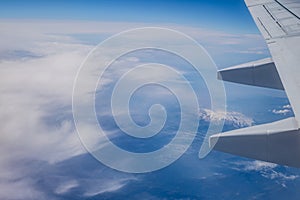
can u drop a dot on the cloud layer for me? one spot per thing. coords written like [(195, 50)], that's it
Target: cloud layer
[(38, 65)]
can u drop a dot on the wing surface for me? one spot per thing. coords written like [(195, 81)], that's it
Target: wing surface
[(278, 142)]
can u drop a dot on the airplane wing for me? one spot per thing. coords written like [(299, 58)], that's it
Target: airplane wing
[(277, 142)]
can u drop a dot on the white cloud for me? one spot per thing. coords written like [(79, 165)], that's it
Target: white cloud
[(286, 109), (65, 187), (109, 185), (288, 106), (219, 43), (33, 91), (133, 59), (58, 32), (35, 112), (234, 118), (266, 170), (283, 111), (258, 165), (38, 65), (279, 175), (20, 189)]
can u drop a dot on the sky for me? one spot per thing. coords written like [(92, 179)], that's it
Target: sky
[(42, 46), (229, 15)]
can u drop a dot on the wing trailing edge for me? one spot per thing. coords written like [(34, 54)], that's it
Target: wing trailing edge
[(276, 142), (261, 73)]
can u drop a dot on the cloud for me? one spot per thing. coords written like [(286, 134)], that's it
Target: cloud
[(35, 110), (59, 31), (288, 106), (65, 187), (219, 43), (38, 65), (36, 96), (235, 119), (20, 189), (279, 175), (104, 186), (258, 166), (267, 170), (284, 110)]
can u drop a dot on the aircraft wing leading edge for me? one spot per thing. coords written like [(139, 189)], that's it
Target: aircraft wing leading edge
[(277, 142)]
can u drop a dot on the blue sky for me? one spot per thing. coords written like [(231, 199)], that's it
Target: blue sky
[(229, 15)]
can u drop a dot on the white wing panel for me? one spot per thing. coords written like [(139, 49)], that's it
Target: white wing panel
[(280, 25), (277, 142)]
